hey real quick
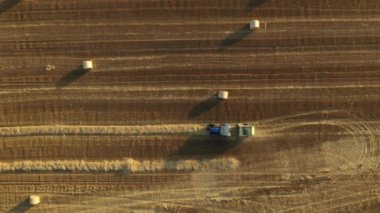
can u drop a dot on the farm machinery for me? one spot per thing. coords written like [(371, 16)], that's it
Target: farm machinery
[(227, 130)]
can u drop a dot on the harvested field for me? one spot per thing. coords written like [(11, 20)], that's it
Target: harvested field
[(130, 135)]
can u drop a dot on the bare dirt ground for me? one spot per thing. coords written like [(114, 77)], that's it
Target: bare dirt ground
[(310, 83)]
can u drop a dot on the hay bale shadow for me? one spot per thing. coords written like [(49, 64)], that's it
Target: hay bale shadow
[(21, 207), (204, 106), (235, 37), (252, 4), (7, 4), (70, 77)]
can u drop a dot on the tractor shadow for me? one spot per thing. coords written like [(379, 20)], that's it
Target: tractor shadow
[(24, 206), (235, 37), (204, 106), (70, 77), (8, 4), (204, 147)]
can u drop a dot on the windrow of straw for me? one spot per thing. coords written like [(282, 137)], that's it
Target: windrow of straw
[(124, 165), (102, 130)]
